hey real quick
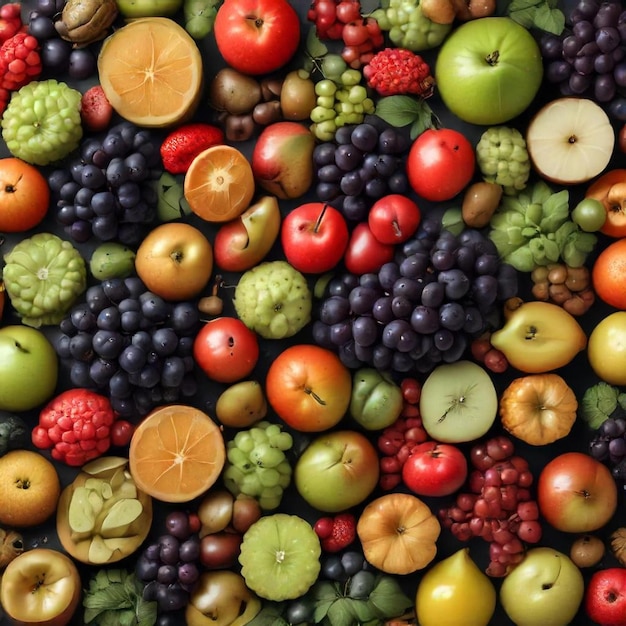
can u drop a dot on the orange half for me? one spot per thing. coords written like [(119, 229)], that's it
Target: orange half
[(176, 453), (151, 72)]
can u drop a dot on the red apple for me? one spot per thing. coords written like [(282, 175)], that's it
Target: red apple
[(282, 159), (394, 218), (257, 36), (605, 597), (440, 164), (314, 237), (576, 493), (434, 469), (365, 253), (337, 471), (245, 241)]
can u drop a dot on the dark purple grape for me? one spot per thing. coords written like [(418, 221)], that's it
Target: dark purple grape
[(584, 64), (188, 573), (382, 310), (376, 188), (433, 294), (452, 316), (399, 335), (119, 385), (333, 569), (343, 136), (607, 38), (348, 157), (362, 299), (42, 27), (382, 357), (456, 283), (177, 525), (443, 259), (190, 549), (334, 309), (132, 359), (101, 370), (364, 137), (571, 46), (355, 208), (603, 64), (172, 372), (324, 154), (401, 306), (326, 192), (329, 173), (551, 46), (321, 334), (351, 183), (453, 354), (146, 569), (388, 274), (599, 449), (55, 54), (425, 320), (340, 333), (604, 88), (443, 339), (391, 141), (617, 448), (578, 83), (619, 74), (80, 346), (409, 288), (171, 598), (617, 108), (415, 265), (83, 318), (108, 344), (79, 374), (365, 331), (607, 15), (584, 31)]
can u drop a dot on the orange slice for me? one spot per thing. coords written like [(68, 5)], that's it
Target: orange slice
[(151, 72), (176, 453), (219, 184)]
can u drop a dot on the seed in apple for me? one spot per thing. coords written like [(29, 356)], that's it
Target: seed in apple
[(570, 140)]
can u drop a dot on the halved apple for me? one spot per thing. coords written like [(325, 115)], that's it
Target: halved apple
[(570, 140)]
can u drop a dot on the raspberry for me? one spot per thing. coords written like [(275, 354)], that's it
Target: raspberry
[(19, 61), (10, 20), (395, 71), (76, 425)]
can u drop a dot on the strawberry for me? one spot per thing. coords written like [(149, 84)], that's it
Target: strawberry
[(336, 533), (398, 71), (182, 145)]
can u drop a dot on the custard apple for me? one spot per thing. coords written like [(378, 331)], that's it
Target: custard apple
[(43, 276), (42, 122), (274, 300)]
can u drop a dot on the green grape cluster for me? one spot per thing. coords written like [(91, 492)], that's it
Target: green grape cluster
[(503, 159), (408, 27), (339, 103), (42, 122), (256, 464)]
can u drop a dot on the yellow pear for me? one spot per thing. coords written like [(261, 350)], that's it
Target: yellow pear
[(539, 337), (457, 588)]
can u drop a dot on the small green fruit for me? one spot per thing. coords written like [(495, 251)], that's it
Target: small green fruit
[(112, 260)]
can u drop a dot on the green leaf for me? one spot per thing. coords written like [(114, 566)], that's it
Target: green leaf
[(388, 599), (314, 46), (550, 20), (521, 259), (598, 403), (534, 213), (621, 400), (362, 610), (340, 613), (452, 220), (402, 110), (541, 14)]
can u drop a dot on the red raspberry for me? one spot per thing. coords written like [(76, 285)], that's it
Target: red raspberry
[(19, 61), (398, 71), (10, 20), (336, 533), (76, 425)]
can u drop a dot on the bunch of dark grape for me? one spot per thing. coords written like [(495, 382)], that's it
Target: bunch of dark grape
[(498, 506), (170, 567), (109, 192), (589, 58), (609, 446), (58, 56), (363, 163), (131, 345), (422, 308), (396, 442)]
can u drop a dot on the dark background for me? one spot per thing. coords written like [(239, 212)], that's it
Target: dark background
[(578, 374)]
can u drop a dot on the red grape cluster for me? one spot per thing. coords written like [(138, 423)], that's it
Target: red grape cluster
[(498, 506), (342, 20), (396, 442)]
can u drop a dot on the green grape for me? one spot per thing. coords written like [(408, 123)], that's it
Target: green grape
[(351, 77), (282, 441), (251, 485), (321, 114), (324, 131), (271, 430), (244, 441), (238, 458), (264, 455), (270, 498), (233, 477), (268, 476), (325, 87), (258, 434), (357, 94)]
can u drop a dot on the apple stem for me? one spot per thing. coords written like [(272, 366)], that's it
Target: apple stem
[(493, 57), (320, 217), (314, 396)]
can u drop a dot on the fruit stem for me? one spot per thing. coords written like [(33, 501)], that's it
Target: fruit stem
[(314, 396), (493, 57), (320, 217)]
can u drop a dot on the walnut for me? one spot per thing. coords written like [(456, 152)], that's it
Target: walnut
[(84, 21)]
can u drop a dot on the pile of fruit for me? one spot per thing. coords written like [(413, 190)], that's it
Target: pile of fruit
[(310, 310)]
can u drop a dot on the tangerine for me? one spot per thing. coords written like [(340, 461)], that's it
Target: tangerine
[(24, 195), (608, 274), (176, 453), (219, 184), (151, 72)]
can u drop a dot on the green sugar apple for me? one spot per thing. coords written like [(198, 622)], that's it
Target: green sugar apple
[(43, 276), (274, 300)]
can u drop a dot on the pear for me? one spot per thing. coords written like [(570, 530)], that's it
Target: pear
[(457, 588), (539, 337), (242, 404)]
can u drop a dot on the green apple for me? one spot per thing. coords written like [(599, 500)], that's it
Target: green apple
[(488, 71), (148, 8), (28, 368), (459, 402), (337, 471), (545, 588), (376, 401)]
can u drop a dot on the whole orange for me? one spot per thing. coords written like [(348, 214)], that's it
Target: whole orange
[(24, 195), (29, 488), (606, 349), (608, 274), (309, 387)]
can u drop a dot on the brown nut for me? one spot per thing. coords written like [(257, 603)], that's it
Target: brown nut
[(439, 11), (239, 127), (85, 21), (473, 9), (618, 545)]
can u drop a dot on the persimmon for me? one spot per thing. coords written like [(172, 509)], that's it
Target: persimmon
[(24, 195), (610, 189)]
